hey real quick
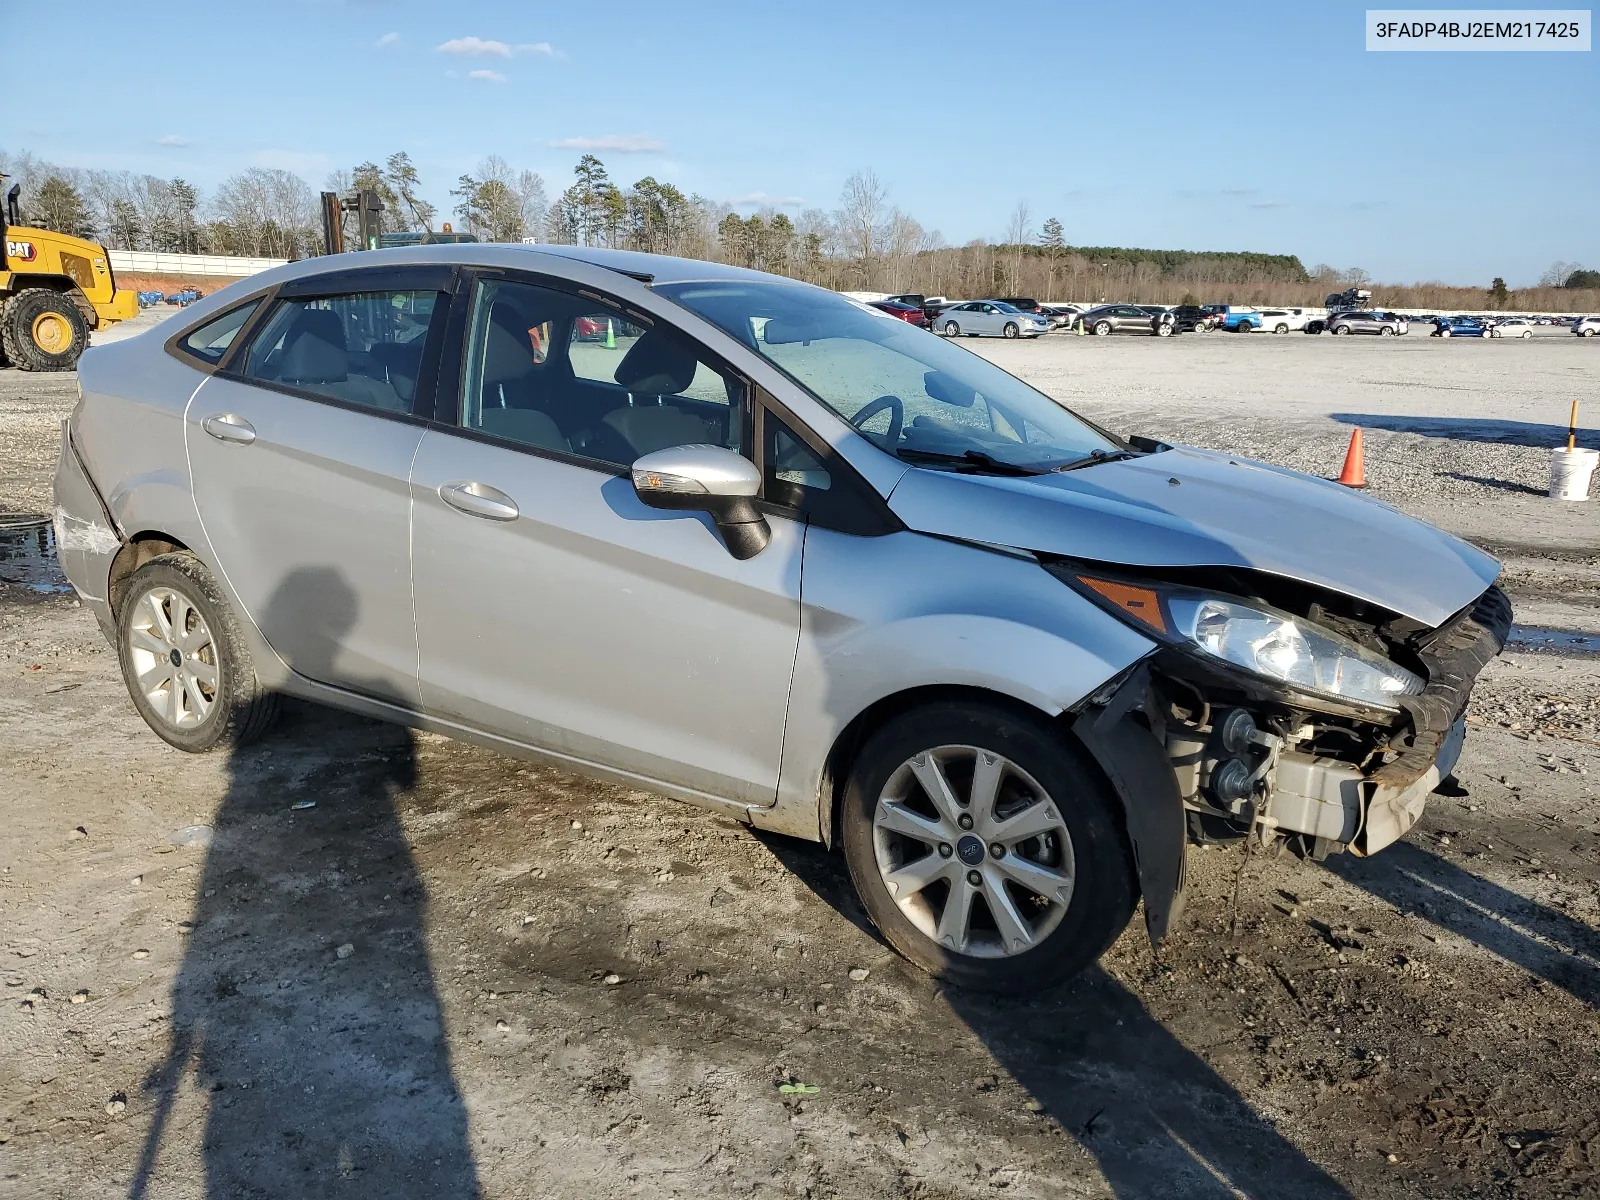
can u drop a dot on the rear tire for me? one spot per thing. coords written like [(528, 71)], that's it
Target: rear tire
[(951, 329), (1049, 785), (209, 697), (1280, 328), (42, 330), (1102, 328), (1341, 330)]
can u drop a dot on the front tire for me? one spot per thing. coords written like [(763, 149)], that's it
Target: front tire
[(1011, 330), (42, 330), (1280, 328), (1385, 331), (185, 660), (987, 849)]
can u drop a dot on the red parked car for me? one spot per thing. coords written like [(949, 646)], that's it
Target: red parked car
[(911, 314)]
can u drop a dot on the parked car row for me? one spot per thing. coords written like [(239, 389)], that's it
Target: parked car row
[(1025, 317)]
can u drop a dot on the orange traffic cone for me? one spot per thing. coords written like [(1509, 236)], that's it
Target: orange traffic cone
[(1354, 474)]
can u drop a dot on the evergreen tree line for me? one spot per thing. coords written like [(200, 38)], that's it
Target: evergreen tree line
[(865, 243)]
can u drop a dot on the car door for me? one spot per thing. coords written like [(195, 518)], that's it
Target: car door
[(300, 449), (553, 608)]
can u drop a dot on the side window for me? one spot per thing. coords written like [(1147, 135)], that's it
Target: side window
[(365, 348), (794, 472), (211, 341), (545, 369), (829, 495)]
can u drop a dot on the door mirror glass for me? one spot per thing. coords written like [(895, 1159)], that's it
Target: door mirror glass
[(707, 479)]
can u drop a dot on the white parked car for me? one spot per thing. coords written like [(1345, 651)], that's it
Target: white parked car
[(1517, 327), (1586, 326), (1283, 320)]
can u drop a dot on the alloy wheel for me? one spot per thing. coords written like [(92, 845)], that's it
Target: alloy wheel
[(973, 851), (174, 657)]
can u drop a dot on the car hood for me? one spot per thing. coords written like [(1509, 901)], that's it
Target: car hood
[(1194, 508)]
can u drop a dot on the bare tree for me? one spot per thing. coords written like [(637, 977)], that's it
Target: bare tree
[(1559, 273), (861, 219), (532, 202), (1019, 232)]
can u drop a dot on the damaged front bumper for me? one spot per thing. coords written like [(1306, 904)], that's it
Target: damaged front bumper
[(1178, 751), (1360, 800), (1334, 802)]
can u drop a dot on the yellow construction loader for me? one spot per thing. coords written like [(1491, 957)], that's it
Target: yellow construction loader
[(53, 290)]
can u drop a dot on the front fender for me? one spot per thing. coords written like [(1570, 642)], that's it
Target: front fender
[(889, 615), (1142, 776)]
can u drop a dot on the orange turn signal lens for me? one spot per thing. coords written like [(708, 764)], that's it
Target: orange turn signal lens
[(1140, 603)]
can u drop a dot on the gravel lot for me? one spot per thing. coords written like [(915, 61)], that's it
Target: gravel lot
[(457, 974)]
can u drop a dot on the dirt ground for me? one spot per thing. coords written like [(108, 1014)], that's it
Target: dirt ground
[(355, 961)]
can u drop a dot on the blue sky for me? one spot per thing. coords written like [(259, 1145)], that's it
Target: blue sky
[(1259, 126)]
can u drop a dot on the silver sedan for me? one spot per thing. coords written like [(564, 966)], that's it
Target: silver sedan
[(990, 318), (731, 538)]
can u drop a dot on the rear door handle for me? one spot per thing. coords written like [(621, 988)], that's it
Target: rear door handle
[(479, 500), (229, 427)]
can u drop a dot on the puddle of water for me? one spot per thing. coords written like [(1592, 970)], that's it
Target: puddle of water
[(1536, 638), (28, 555)]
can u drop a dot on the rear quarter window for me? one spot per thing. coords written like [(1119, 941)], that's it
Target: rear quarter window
[(210, 341)]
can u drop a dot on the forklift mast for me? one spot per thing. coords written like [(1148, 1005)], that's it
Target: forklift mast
[(368, 210)]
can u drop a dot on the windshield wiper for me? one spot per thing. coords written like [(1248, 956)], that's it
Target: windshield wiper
[(971, 458), (1096, 457)]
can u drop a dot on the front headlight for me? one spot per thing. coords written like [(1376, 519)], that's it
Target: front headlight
[(1290, 651), (1276, 646)]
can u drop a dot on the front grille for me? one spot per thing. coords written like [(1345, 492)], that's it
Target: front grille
[(1454, 655)]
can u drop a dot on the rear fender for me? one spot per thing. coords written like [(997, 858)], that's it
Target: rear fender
[(87, 538)]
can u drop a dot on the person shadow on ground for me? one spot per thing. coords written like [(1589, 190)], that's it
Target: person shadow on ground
[(305, 1014)]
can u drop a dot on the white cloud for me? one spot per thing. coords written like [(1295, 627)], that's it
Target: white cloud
[(473, 45), (172, 139), (388, 39), (490, 48), (491, 76), (762, 198), (619, 143)]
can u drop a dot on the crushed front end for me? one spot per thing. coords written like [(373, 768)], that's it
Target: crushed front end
[(1294, 714)]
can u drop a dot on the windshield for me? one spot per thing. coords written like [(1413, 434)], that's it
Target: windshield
[(1004, 307), (909, 391)]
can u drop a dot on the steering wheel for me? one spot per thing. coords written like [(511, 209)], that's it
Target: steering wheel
[(897, 416)]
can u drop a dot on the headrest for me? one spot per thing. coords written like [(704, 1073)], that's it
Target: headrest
[(506, 355), (656, 366), (312, 359), (319, 322)]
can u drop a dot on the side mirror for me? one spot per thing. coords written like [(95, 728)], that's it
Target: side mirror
[(712, 480)]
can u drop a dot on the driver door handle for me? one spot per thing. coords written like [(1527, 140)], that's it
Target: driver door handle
[(479, 500), (229, 427)]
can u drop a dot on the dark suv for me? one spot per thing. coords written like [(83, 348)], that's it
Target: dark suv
[(1191, 318)]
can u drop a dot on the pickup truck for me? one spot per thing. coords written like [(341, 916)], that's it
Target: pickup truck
[(1240, 320)]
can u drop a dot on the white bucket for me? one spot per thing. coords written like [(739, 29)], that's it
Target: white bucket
[(1570, 471)]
